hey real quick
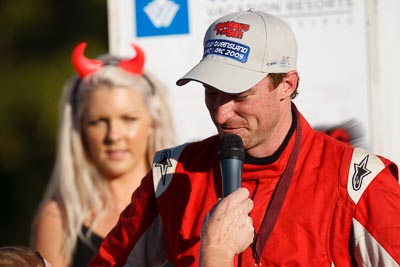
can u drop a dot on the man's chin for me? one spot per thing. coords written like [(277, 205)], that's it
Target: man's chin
[(236, 131)]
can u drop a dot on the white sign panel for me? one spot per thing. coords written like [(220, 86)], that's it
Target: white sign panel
[(332, 54)]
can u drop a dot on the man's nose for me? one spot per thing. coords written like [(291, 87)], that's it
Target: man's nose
[(225, 109)]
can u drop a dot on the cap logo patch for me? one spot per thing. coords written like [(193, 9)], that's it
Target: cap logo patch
[(285, 61), (269, 64), (231, 29), (232, 50)]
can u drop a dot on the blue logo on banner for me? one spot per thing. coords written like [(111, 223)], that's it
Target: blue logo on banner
[(161, 17)]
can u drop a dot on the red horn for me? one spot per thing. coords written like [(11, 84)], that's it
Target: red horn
[(134, 65), (82, 64)]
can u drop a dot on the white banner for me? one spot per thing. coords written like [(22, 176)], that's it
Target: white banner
[(333, 54)]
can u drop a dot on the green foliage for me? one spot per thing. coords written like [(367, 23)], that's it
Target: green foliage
[(36, 41)]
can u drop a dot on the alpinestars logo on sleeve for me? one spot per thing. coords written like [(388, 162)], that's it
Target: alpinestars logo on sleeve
[(164, 163), (360, 171)]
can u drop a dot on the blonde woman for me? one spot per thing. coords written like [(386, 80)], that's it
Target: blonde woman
[(113, 117)]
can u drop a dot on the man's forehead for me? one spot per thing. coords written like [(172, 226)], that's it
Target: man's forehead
[(261, 83), (211, 88)]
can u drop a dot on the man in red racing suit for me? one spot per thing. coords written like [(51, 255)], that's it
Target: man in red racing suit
[(324, 221), (340, 205)]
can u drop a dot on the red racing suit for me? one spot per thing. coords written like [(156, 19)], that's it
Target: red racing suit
[(342, 207)]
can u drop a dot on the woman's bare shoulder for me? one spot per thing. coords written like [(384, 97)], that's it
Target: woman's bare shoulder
[(49, 217), (50, 208)]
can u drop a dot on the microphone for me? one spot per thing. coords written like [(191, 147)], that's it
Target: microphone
[(231, 156)]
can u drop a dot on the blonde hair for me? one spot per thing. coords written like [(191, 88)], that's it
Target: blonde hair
[(75, 183)]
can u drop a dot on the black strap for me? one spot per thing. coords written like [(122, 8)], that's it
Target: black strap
[(277, 199)]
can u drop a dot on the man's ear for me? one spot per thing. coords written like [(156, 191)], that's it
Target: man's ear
[(289, 84)]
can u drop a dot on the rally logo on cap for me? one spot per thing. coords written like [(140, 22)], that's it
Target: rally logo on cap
[(225, 48), (231, 29)]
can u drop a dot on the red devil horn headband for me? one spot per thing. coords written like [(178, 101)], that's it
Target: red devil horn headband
[(84, 66)]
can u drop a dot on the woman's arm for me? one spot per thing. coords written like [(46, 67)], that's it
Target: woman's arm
[(49, 234)]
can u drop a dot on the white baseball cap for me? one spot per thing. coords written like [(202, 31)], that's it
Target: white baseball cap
[(241, 48)]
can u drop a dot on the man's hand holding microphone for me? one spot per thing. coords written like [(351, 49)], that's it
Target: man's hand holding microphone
[(228, 229)]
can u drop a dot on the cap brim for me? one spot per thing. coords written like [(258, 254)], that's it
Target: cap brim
[(222, 76)]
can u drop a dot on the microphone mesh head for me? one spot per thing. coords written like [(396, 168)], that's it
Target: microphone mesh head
[(231, 146)]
